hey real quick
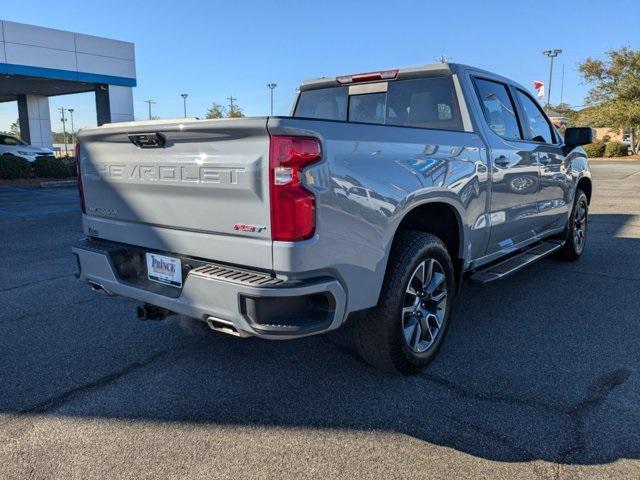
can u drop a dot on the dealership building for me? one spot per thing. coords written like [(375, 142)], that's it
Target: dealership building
[(37, 63)]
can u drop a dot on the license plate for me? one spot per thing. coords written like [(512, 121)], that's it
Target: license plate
[(163, 269)]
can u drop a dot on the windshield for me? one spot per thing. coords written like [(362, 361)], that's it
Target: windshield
[(8, 140)]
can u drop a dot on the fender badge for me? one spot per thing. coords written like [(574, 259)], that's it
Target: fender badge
[(243, 227)]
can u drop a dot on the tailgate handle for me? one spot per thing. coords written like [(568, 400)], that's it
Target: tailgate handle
[(148, 140)]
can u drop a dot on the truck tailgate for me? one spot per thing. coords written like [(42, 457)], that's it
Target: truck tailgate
[(178, 186)]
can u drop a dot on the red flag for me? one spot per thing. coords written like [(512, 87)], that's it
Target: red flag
[(539, 87)]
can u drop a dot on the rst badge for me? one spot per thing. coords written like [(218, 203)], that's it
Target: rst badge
[(244, 227)]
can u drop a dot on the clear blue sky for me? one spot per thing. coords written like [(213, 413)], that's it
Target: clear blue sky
[(213, 48)]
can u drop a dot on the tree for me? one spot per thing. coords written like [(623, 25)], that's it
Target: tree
[(219, 111), (216, 111), (566, 110), (234, 111), (14, 128), (614, 99), (59, 137)]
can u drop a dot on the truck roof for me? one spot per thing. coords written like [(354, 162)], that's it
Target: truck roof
[(409, 72)]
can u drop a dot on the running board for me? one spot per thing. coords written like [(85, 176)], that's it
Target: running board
[(514, 264)]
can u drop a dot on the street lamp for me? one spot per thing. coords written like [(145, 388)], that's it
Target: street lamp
[(73, 131), (184, 103), (551, 54), (271, 86)]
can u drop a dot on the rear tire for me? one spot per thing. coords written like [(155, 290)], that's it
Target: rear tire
[(405, 330), (576, 235)]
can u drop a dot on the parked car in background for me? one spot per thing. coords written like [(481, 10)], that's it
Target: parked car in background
[(10, 145), (373, 202)]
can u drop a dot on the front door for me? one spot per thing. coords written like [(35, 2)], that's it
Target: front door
[(554, 195), (513, 214)]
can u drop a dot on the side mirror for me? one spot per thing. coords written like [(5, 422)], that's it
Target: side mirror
[(575, 136)]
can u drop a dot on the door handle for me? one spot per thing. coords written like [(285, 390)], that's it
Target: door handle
[(501, 161)]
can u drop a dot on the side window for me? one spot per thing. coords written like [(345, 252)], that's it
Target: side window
[(323, 104), (539, 129), (424, 103), (498, 108)]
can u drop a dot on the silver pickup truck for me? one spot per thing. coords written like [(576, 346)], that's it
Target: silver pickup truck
[(373, 202)]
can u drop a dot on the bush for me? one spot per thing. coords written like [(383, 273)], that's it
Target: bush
[(595, 149), (616, 149), (70, 163), (52, 167), (12, 167)]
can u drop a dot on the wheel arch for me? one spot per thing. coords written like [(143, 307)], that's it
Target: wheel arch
[(439, 218), (586, 186)]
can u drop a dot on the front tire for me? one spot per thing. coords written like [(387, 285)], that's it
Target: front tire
[(405, 330), (576, 235)]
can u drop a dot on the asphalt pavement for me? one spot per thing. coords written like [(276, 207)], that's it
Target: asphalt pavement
[(539, 376)]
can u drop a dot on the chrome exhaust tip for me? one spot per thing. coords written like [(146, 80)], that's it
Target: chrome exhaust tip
[(224, 326), (96, 287)]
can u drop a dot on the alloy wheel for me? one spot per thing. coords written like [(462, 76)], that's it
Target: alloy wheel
[(425, 305), (580, 225)]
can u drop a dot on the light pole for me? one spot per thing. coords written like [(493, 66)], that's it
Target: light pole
[(150, 102), (271, 86), (73, 130), (551, 54), (64, 130), (184, 103), (562, 86)]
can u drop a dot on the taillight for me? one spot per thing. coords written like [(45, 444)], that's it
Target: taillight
[(79, 174), (368, 77), (292, 205)]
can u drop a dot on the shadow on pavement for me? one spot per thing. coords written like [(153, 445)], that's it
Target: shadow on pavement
[(541, 366)]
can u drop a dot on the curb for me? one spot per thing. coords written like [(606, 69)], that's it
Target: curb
[(58, 184)]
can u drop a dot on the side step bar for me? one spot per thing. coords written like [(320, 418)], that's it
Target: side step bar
[(513, 264)]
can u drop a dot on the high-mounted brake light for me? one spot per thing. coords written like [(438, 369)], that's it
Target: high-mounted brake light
[(79, 174), (368, 77), (292, 205)]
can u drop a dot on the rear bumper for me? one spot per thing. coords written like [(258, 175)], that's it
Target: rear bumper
[(283, 311)]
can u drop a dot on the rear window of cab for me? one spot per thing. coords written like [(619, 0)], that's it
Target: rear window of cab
[(422, 103)]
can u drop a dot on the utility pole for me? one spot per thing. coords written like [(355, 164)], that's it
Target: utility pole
[(551, 54), (231, 112), (64, 130), (73, 130), (150, 102), (271, 86), (184, 102)]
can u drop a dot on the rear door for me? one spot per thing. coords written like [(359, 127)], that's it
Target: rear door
[(554, 194), (513, 212)]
